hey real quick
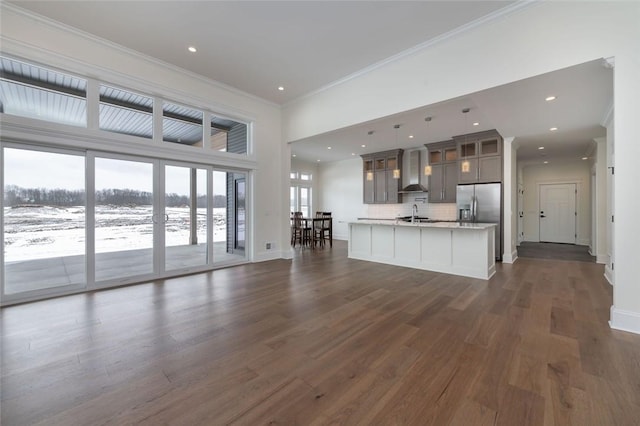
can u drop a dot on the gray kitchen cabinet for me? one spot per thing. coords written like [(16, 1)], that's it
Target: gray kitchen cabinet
[(479, 157), (444, 166), (368, 181), (379, 185)]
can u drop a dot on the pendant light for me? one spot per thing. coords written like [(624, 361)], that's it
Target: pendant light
[(427, 168), (370, 172), (465, 166), (396, 171)]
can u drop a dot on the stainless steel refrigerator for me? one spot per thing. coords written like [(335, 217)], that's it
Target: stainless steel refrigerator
[(482, 203)]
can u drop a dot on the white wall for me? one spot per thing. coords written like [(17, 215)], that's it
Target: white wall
[(340, 192), (542, 37), (558, 172)]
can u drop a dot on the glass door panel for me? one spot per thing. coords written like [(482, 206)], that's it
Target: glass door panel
[(124, 218), (44, 220), (185, 218), (229, 216), (305, 201)]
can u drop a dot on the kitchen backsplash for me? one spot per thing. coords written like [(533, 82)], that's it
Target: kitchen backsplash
[(432, 211)]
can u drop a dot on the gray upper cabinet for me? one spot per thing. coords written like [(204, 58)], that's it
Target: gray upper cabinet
[(479, 157), (444, 166), (379, 184)]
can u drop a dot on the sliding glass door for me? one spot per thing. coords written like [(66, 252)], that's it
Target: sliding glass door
[(125, 214), (75, 220), (44, 219), (186, 217)]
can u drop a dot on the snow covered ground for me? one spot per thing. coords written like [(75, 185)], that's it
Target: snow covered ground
[(40, 232)]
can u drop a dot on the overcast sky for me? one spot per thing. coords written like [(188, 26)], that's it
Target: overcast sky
[(35, 169)]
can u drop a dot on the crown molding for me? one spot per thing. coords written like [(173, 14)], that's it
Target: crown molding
[(126, 51), (500, 13)]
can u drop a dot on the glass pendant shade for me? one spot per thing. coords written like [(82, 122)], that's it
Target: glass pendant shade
[(427, 170), (396, 173), (369, 176), (465, 167)]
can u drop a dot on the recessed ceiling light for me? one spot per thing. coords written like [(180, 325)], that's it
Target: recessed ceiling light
[(553, 129), (318, 161), (280, 88), (363, 145), (353, 153), (410, 136), (293, 155), (192, 49), (545, 162), (328, 147), (550, 98), (585, 158), (476, 124), (541, 147)]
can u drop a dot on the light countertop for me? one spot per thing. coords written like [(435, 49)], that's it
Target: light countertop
[(440, 225)]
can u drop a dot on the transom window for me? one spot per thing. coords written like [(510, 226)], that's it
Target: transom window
[(32, 91)]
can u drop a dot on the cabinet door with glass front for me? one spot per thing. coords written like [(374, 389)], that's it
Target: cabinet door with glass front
[(489, 147), (382, 178)]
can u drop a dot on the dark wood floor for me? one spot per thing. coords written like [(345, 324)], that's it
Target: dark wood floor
[(555, 251), (327, 340)]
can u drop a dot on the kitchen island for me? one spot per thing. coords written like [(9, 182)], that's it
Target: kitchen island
[(465, 249)]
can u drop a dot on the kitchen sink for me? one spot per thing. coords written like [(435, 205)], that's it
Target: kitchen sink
[(422, 219)]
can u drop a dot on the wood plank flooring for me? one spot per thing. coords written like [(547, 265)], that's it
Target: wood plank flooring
[(555, 251), (325, 340)]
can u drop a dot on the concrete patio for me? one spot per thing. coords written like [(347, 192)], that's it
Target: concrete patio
[(40, 274)]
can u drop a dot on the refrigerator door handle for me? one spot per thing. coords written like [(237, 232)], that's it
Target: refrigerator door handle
[(474, 208)]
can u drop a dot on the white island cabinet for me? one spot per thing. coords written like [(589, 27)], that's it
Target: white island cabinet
[(465, 249)]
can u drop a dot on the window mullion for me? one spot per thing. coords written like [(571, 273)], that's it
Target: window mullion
[(93, 104), (206, 131), (157, 120)]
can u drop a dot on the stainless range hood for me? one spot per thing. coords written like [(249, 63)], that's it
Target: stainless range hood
[(414, 174)]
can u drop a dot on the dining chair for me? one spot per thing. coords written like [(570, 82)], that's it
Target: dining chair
[(322, 228), (300, 232)]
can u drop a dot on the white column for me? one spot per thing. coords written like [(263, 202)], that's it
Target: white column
[(285, 236), (509, 188), (600, 219), (625, 312)]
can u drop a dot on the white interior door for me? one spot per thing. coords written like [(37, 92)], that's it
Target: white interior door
[(558, 213)]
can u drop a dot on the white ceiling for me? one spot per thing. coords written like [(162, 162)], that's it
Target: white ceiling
[(256, 46), (584, 95)]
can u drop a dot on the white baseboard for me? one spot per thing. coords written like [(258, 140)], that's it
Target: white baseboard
[(608, 274), (584, 242), (602, 259), (625, 320), (264, 256), (510, 258)]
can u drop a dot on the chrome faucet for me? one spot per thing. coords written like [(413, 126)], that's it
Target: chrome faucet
[(414, 213)]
